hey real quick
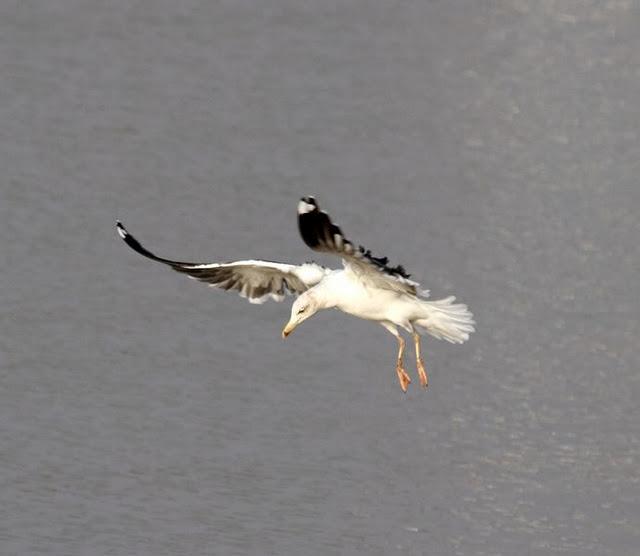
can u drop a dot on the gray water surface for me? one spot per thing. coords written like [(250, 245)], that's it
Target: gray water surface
[(490, 147)]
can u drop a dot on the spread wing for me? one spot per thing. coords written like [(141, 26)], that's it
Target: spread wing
[(320, 234), (255, 280)]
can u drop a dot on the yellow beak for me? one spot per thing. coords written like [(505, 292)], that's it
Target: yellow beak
[(287, 330)]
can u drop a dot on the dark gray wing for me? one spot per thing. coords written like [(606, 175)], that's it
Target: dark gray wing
[(255, 280), (321, 234)]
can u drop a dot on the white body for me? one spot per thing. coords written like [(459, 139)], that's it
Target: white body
[(368, 303), (354, 294)]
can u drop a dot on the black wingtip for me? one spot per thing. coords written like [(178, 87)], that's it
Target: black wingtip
[(122, 232), (307, 205), (134, 244)]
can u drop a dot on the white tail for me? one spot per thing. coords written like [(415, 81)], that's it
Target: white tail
[(446, 321)]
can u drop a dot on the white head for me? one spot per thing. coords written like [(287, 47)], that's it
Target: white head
[(305, 306)]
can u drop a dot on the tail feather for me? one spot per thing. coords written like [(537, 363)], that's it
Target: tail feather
[(446, 320)]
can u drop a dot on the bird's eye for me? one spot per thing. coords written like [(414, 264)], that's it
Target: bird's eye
[(301, 310)]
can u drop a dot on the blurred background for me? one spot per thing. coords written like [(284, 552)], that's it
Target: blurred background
[(491, 147)]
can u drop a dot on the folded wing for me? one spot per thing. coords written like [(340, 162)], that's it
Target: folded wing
[(255, 280)]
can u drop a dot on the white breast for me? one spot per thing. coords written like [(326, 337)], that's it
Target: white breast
[(353, 297)]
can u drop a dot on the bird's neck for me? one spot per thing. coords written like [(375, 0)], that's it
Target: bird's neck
[(323, 295)]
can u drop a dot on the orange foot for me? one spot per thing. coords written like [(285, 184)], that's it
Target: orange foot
[(403, 377), (424, 379)]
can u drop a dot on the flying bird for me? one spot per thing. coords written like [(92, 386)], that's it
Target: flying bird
[(366, 287)]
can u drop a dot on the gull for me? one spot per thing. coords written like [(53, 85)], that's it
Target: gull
[(366, 287)]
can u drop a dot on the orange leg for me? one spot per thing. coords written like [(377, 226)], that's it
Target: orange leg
[(422, 373), (403, 377)]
